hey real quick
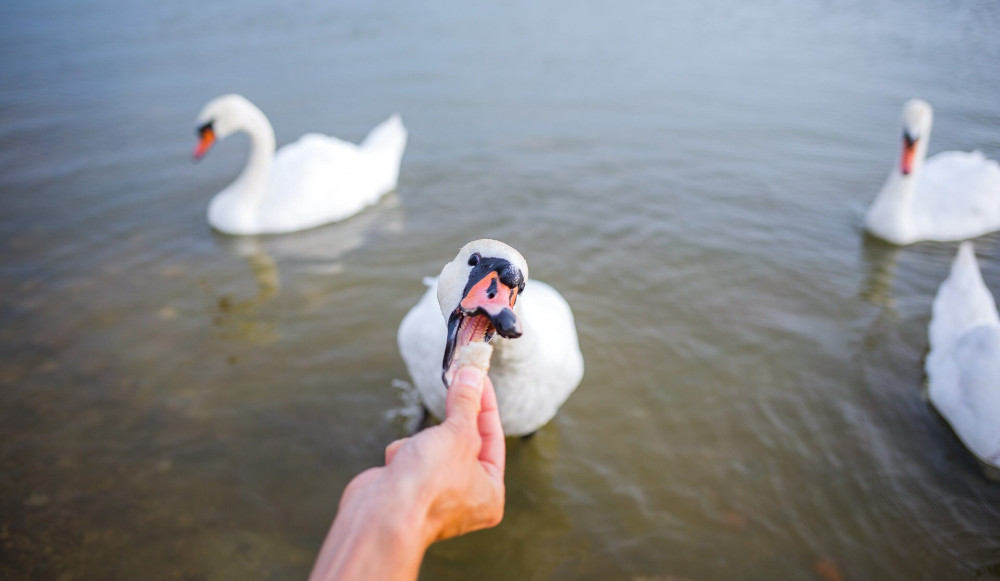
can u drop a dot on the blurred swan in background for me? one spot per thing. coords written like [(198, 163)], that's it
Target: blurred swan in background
[(963, 365), (954, 195), (313, 181)]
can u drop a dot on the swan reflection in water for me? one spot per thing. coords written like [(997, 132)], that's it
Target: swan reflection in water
[(238, 314), (881, 260), (235, 317)]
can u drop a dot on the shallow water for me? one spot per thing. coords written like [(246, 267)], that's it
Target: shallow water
[(177, 404)]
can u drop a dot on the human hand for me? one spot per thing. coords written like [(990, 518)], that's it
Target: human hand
[(442, 482), (458, 465)]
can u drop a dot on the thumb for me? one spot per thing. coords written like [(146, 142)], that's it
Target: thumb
[(465, 394)]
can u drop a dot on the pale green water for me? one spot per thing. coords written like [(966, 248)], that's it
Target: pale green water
[(176, 404)]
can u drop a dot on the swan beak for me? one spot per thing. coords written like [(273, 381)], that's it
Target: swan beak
[(909, 153), (206, 136), (496, 300), (486, 309)]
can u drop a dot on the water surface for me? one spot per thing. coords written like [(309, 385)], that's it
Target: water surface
[(178, 404)]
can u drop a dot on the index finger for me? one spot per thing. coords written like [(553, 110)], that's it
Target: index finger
[(493, 453)]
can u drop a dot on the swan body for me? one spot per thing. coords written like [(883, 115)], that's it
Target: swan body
[(963, 365), (953, 195), (313, 181), (533, 373)]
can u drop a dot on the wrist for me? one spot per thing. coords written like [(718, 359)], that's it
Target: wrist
[(380, 533), (404, 509), (395, 513), (401, 520)]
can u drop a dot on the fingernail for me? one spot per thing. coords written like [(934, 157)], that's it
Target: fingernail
[(470, 375)]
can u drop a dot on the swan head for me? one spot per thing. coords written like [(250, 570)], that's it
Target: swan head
[(220, 118), (477, 292), (917, 120)]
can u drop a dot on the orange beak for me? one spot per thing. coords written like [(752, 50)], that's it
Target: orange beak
[(490, 295), (207, 139), (909, 153)]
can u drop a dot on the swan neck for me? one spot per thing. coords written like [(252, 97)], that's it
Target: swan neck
[(890, 213), (262, 146), (919, 158), (893, 203)]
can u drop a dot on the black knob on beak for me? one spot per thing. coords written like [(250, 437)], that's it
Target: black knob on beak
[(506, 324)]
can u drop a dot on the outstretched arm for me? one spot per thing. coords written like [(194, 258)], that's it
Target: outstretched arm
[(442, 482)]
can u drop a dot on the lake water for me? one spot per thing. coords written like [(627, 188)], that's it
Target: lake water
[(178, 404)]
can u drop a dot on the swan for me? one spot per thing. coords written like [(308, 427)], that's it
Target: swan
[(954, 195), (963, 365), (485, 292), (316, 180)]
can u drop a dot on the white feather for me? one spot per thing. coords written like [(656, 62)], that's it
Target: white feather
[(963, 365)]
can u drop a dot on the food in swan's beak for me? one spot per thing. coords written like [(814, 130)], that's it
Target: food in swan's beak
[(206, 136), (485, 310), (476, 354)]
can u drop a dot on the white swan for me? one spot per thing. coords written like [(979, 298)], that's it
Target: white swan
[(316, 180), (536, 361), (953, 196), (963, 365)]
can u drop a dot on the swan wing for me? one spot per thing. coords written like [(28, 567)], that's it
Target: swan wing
[(962, 301), (320, 179), (967, 391), (958, 196), (963, 365)]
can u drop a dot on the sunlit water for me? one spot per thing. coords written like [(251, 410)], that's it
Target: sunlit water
[(177, 404)]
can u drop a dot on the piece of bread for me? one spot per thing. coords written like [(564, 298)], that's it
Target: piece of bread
[(477, 353)]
